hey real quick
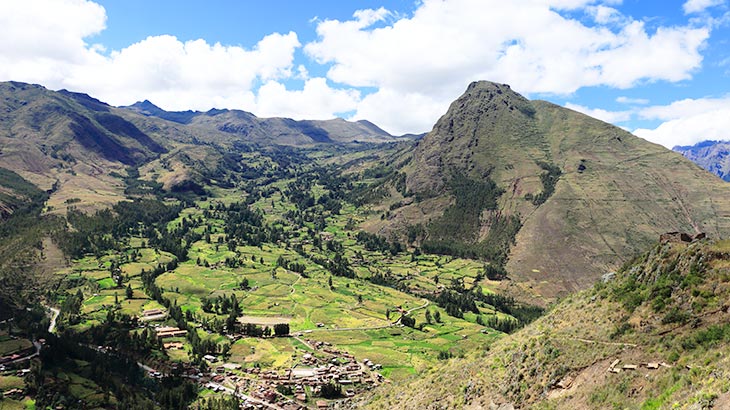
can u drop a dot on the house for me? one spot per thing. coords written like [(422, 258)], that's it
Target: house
[(321, 405), (165, 332), (173, 345)]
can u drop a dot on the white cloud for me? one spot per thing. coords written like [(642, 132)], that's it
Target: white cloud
[(603, 115), (41, 40), (180, 75), (415, 64), (445, 44), (400, 113), (684, 108), (633, 101), (316, 101), (605, 15), (688, 121), (44, 42), (698, 6)]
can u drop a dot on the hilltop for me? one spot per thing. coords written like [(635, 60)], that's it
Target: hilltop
[(710, 155), (653, 335), (556, 196)]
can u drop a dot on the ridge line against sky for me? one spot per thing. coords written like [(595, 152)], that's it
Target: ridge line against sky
[(658, 69)]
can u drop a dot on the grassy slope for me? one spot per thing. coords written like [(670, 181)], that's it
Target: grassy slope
[(629, 192), (574, 345)]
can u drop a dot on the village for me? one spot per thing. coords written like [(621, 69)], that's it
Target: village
[(300, 387)]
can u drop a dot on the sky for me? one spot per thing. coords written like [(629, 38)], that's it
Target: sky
[(659, 69)]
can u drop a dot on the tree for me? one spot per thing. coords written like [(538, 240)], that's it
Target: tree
[(331, 390), (244, 285), (428, 317), (329, 282), (281, 329), (129, 291), (437, 316)]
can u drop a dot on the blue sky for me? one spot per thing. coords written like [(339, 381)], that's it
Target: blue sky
[(658, 69)]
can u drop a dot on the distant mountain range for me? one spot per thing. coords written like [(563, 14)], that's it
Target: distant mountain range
[(713, 156), (75, 144)]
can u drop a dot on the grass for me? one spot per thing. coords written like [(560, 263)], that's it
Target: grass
[(13, 345), (11, 382)]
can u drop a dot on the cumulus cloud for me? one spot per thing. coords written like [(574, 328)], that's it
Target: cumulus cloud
[(603, 115), (688, 121), (530, 45), (698, 6), (186, 75), (44, 41), (317, 100), (408, 68)]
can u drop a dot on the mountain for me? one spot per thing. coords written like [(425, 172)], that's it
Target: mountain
[(69, 143), (284, 131), (557, 196), (652, 336), (710, 155), (81, 148)]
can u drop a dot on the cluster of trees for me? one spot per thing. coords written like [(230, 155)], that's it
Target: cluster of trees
[(373, 242), (108, 229), (548, 178), (254, 330), (292, 266), (221, 305)]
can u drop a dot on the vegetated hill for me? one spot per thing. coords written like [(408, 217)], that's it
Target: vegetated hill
[(713, 156), (16, 193), (284, 131), (666, 313), (69, 143), (564, 196)]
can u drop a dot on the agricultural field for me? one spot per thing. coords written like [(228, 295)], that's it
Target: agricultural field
[(284, 257)]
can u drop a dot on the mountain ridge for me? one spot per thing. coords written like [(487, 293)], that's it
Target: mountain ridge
[(281, 130), (714, 156)]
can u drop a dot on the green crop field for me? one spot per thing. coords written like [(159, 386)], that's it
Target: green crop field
[(282, 264)]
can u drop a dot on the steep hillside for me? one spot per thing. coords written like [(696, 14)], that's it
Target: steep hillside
[(284, 131), (710, 155), (577, 195), (653, 336), (69, 143)]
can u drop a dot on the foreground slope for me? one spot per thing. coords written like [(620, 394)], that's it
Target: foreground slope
[(587, 194), (661, 324), (710, 155)]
